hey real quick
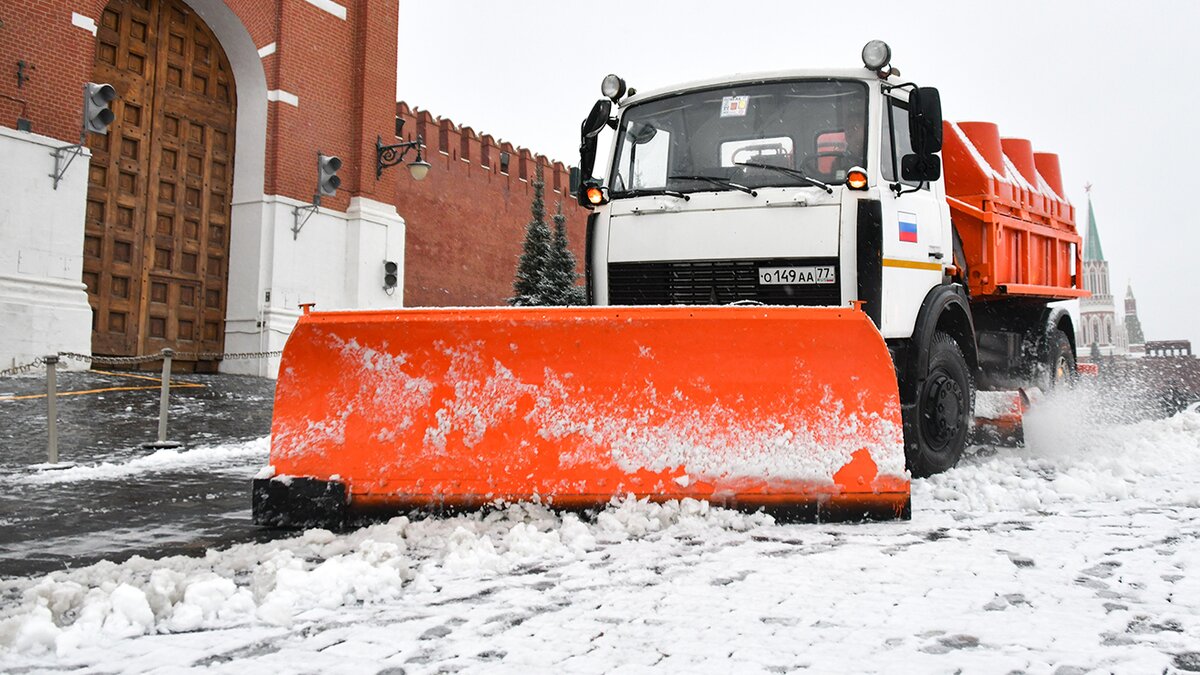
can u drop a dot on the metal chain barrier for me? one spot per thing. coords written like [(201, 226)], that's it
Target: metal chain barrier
[(200, 356), (134, 360), (111, 360), (51, 364), (25, 368)]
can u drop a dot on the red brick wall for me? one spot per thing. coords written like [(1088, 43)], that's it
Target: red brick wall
[(343, 71), (465, 221), (40, 33)]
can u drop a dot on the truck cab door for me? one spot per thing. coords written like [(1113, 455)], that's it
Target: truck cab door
[(916, 230)]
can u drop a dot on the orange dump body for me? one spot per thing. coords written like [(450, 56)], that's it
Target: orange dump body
[(1008, 205), (740, 406)]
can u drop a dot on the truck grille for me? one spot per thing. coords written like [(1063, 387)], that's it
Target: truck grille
[(715, 282)]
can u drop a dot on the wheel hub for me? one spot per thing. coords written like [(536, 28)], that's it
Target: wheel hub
[(941, 410)]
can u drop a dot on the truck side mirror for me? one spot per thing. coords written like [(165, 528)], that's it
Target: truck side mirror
[(597, 119), (588, 131), (575, 181), (920, 168), (925, 120)]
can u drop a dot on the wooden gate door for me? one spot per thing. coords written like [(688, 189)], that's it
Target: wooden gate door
[(156, 243)]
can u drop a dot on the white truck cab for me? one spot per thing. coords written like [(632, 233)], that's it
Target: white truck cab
[(751, 188)]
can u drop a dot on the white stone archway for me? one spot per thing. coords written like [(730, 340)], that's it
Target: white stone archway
[(249, 162), (248, 248)]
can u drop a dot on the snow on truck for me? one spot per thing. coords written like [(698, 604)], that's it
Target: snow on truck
[(798, 282)]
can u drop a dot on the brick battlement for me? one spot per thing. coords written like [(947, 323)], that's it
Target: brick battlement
[(444, 138), (466, 221)]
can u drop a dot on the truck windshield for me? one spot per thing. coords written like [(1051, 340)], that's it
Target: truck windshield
[(816, 128)]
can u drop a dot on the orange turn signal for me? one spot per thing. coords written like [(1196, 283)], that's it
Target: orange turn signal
[(595, 196), (856, 178)]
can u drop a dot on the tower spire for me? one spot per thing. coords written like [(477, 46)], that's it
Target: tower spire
[(1091, 247)]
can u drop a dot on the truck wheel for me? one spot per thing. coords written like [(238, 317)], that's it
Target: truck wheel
[(1059, 365), (945, 400)]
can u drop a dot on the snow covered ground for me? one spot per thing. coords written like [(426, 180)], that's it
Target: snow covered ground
[(1079, 553)]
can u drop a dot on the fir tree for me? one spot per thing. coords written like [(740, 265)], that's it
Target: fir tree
[(562, 273), (531, 285)]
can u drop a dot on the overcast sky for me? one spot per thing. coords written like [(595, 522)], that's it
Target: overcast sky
[(1108, 85)]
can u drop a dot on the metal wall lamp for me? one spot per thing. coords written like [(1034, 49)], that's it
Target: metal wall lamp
[(391, 155)]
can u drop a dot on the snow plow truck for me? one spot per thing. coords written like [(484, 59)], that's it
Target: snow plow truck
[(797, 283)]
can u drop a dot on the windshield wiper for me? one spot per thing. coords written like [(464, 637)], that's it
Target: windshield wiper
[(645, 192), (791, 172), (716, 180)]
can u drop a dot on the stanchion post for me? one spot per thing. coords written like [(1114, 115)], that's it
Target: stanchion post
[(165, 395), (51, 361), (164, 400)]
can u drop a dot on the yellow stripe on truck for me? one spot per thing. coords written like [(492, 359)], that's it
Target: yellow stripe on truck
[(912, 264)]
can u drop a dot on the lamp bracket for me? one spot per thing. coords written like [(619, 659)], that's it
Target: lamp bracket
[(301, 214), (62, 160)]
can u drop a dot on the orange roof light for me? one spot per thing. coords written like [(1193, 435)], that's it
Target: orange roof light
[(595, 195), (856, 178)]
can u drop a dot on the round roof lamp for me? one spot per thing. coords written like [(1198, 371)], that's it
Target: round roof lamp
[(876, 55)]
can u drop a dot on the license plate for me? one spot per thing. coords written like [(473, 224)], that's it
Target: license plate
[(779, 276)]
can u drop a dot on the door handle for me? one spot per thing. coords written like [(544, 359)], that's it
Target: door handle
[(936, 255)]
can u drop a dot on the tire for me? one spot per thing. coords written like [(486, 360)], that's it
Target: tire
[(945, 400), (1058, 365)]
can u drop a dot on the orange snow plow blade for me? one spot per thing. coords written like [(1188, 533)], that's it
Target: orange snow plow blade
[(791, 408)]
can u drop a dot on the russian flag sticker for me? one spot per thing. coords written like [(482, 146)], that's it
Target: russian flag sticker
[(908, 226)]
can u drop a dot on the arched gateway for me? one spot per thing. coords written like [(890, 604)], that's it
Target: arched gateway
[(156, 242), (168, 237)]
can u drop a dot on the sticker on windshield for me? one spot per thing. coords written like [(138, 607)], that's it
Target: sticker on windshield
[(734, 106)]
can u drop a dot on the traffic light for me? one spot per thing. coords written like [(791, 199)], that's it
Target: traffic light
[(327, 185), (96, 118), (327, 178), (390, 272), (96, 114)]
